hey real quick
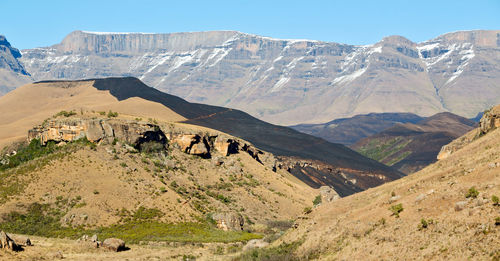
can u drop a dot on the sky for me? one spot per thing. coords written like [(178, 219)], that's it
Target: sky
[(29, 24)]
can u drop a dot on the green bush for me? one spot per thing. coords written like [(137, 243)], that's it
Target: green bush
[(143, 213), (396, 209), (152, 147), (42, 220), (495, 200), (112, 114), (472, 193), (317, 200), (65, 113)]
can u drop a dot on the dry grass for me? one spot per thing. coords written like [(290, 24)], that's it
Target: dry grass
[(362, 227)]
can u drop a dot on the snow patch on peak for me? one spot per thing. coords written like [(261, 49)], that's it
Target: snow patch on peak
[(428, 47), (349, 77)]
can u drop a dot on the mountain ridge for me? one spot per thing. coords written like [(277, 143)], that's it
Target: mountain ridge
[(288, 81)]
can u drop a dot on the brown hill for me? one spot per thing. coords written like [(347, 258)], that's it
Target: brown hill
[(410, 147), (327, 161), (348, 131), (447, 211)]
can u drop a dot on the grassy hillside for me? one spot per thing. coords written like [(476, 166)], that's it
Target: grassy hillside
[(410, 147), (447, 211)]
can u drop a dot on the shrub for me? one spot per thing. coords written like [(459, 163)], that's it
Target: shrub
[(497, 221), (281, 252), (495, 200), (112, 114), (143, 213), (425, 223), (317, 200), (396, 209), (65, 113), (151, 147), (307, 210), (472, 193)]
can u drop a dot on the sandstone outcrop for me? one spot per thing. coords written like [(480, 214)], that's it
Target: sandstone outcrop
[(96, 130), (229, 221)]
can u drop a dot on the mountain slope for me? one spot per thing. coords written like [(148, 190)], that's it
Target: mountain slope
[(458, 223), (410, 147), (348, 131), (334, 164), (12, 72), (290, 81)]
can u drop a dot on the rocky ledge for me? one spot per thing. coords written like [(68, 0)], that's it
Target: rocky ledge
[(205, 144)]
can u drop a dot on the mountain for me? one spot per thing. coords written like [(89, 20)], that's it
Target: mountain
[(448, 211), (12, 72), (290, 82), (313, 160), (410, 147), (348, 131)]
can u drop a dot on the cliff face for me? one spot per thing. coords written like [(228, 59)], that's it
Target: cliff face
[(290, 81), (12, 72)]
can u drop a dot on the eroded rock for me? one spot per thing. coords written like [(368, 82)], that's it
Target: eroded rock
[(114, 244), (229, 221)]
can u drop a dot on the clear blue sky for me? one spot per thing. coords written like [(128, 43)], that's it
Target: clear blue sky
[(28, 24)]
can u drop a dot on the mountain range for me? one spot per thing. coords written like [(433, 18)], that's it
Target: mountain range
[(284, 81)]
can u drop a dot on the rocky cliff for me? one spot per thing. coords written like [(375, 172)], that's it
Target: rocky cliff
[(290, 81), (137, 134), (12, 72)]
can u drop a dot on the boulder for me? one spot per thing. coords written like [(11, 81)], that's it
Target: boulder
[(184, 141), (217, 161), (229, 221), (225, 146), (21, 240), (459, 206), (328, 194), (6, 242), (199, 149), (114, 244)]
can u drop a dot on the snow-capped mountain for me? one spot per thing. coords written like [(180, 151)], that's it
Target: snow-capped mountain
[(290, 81)]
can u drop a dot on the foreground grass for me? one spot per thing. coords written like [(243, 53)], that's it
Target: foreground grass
[(43, 220)]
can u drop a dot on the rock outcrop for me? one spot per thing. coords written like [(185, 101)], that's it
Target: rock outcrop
[(229, 221), (6, 242), (489, 122), (96, 130), (328, 194), (114, 244)]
